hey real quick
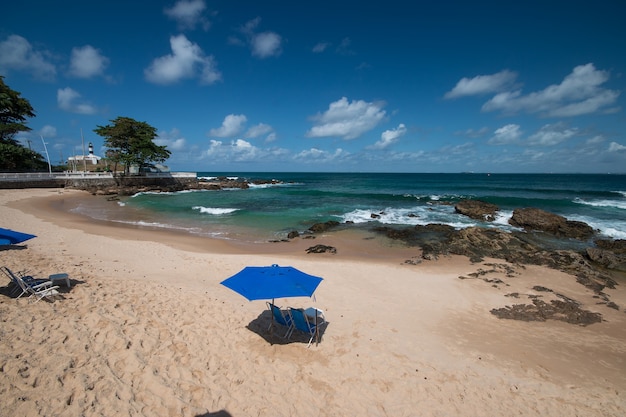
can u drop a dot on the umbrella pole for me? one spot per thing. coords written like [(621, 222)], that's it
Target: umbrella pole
[(272, 326), (317, 330)]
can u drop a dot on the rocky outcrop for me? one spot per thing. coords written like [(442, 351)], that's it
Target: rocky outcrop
[(476, 209), (322, 227), (540, 220), (610, 254)]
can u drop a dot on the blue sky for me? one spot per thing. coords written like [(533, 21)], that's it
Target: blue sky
[(393, 86)]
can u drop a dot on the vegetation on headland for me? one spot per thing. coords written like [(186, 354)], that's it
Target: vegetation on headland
[(129, 142), (14, 111)]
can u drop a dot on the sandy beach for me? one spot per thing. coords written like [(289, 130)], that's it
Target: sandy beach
[(147, 330)]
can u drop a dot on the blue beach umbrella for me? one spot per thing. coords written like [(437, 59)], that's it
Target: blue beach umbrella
[(269, 282), (11, 237)]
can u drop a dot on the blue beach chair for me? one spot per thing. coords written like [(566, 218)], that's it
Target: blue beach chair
[(280, 318), (302, 322)]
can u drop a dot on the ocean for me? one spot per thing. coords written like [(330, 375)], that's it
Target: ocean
[(362, 200)]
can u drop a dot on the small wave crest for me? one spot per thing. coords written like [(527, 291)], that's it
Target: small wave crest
[(620, 204), (215, 211)]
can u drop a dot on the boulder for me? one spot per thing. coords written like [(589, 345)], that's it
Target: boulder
[(540, 220), (476, 209), (321, 249), (322, 227), (607, 258)]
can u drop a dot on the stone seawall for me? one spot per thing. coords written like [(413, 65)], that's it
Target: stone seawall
[(93, 183)]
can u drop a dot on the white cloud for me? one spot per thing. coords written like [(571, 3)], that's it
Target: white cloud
[(389, 137), (348, 120), (69, 100), (616, 147), (320, 47), (320, 156), (263, 45), (187, 60), (550, 135), (473, 133), (188, 14), (87, 62), (16, 53), (232, 125), (580, 92), (172, 140), (245, 151), (595, 139), (505, 135), (48, 131), (482, 84), (258, 130), (266, 44)]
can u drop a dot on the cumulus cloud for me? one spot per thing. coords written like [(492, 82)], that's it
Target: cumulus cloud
[(48, 131), (507, 134), (266, 44), (232, 125), (188, 14), (258, 130), (595, 139), (187, 60), (320, 47), (348, 120), (483, 84), (616, 147), (552, 134), (473, 133), (70, 100), (87, 62), (389, 137), (172, 139), (580, 92), (238, 150), (315, 155), (17, 54), (262, 44)]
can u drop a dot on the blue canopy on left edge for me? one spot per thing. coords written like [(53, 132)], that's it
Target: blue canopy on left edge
[(11, 237), (269, 282)]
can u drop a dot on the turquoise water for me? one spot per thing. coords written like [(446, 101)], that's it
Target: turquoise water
[(271, 211)]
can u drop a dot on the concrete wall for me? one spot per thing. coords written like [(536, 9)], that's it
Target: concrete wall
[(87, 181)]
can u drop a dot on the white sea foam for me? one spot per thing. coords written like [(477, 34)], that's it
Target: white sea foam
[(620, 204), (214, 210), (611, 228)]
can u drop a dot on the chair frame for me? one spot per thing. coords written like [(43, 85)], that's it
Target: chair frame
[(301, 322), (280, 318)]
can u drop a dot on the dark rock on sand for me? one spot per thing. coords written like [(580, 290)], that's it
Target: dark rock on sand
[(322, 227), (321, 249), (565, 310), (476, 209), (537, 219)]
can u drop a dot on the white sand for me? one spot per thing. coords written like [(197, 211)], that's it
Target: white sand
[(147, 330)]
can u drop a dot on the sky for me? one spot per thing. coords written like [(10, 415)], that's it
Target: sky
[(329, 86)]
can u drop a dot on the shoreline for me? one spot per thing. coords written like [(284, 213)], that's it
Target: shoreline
[(147, 329)]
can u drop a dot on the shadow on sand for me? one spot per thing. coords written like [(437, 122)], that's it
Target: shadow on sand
[(262, 325)]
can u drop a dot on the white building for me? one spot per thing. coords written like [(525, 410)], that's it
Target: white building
[(89, 159)]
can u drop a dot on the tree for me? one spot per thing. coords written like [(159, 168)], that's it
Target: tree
[(14, 110), (131, 143)]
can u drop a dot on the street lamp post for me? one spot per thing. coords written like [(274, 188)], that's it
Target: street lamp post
[(47, 156)]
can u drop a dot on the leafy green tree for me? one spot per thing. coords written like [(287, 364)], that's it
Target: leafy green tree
[(131, 143), (14, 110)]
